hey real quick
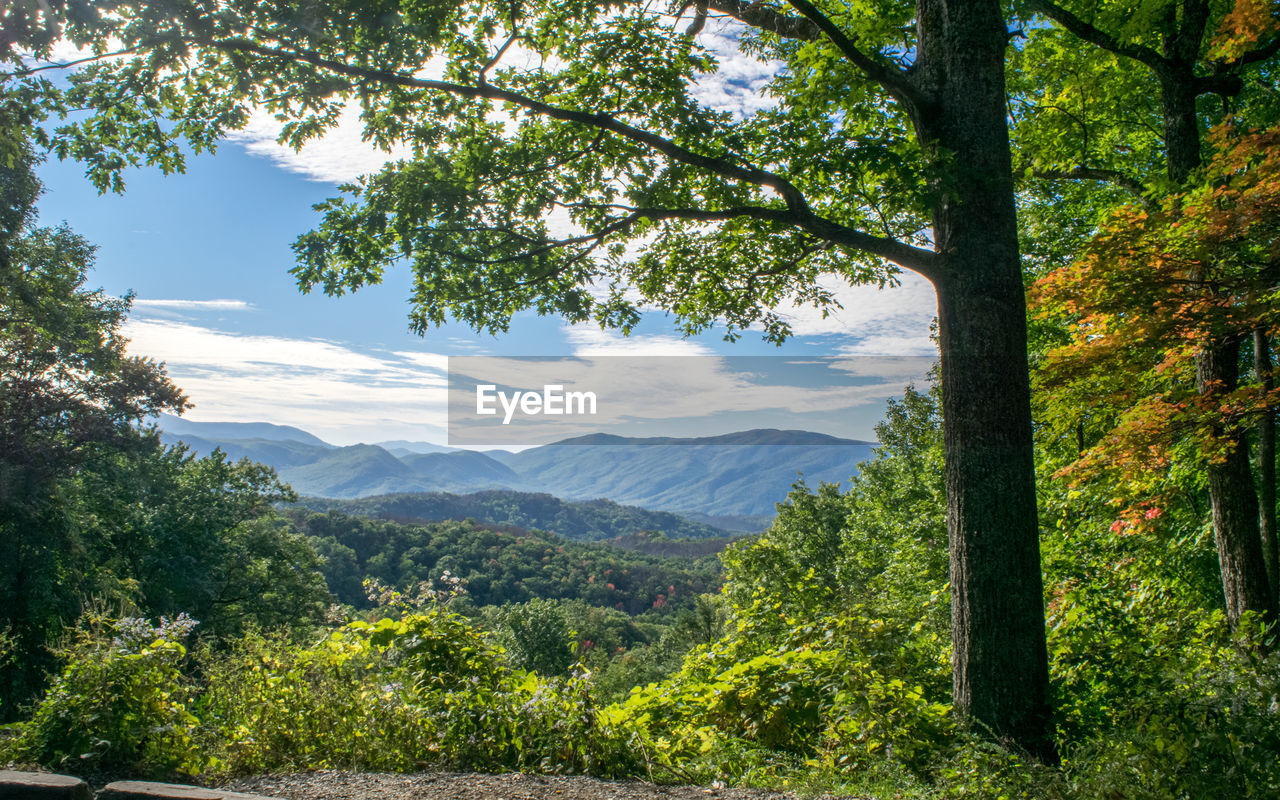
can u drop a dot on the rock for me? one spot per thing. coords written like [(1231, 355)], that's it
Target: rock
[(145, 790), (41, 786)]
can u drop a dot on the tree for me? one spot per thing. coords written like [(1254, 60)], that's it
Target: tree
[(1154, 287), (1194, 53), (93, 508), (887, 149), (67, 391)]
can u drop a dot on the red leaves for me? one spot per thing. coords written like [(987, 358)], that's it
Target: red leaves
[(1154, 289)]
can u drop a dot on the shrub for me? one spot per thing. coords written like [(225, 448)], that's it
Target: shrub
[(121, 702)]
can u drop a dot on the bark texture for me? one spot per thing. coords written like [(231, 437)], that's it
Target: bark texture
[(999, 661), (1267, 465), (1235, 503)]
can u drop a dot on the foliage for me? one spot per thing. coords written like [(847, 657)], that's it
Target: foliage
[(835, 649), (880, 547), (536, 636), (581, 521), (499, 566), (831, 691), (1153, 288), (121, 704), (91, 504), (471, 201), (68, 392), (1206, 723), (426, 688)]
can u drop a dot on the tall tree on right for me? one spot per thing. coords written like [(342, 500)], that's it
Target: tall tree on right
[(1143, 87)]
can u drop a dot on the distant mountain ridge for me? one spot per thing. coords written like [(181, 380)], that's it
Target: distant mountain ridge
[(757, 436), (237, 430), (742, 474)]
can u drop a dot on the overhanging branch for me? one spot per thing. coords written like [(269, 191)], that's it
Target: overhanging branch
[(1099, 37), (1117, 177), (796, 212), (766, 18), (916, 259), (718, 166), (1259, 54), (813, 25), (893, 79)]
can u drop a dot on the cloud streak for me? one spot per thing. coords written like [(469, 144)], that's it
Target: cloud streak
[(328, 388), (140, 304)]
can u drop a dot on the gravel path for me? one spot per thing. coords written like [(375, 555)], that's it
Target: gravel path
[(334, 785)]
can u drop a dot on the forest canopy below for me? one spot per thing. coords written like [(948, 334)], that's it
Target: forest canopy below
[(1057, 576)]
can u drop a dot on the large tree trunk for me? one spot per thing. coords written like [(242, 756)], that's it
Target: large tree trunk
[(1235, 503), (1267, 465), (999, 662)]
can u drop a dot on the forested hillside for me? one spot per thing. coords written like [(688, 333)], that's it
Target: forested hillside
[(583, 521), (499, 565)]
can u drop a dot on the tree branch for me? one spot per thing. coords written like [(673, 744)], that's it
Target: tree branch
[(758, 15), (23, 71), (813, 25), (1099, 37), (1125, 182), (913, 258), (727, 169), (1184, 46), (1259, 54), (893, 79), (797, 211)]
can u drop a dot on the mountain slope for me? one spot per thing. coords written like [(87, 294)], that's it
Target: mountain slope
[(215, 431), (589, 521), (278, 453), (462, 467), (741, 474)]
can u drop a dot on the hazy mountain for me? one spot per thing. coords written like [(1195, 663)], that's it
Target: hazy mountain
[(278, 453), (355, 471), (400, 447), (737, 476), (215, 431), (463, 467), (586, 521)]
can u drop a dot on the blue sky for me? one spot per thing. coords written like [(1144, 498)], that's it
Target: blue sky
[(207, 255)]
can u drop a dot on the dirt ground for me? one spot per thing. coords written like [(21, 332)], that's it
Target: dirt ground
[(333, 785)]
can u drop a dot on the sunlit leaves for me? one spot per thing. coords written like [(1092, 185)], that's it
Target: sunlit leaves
[(1153, 289)]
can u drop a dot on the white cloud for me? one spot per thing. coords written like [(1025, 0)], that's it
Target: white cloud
[(324, 387), (140, 304), (893, 321), (340, 156), (738, 85), (589, 340)]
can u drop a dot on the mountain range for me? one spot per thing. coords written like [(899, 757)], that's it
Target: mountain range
[(740, 474)]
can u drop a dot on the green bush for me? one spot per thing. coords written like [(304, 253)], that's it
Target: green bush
[(835, 693), (425, 689), (1208, 724), (120, 704)]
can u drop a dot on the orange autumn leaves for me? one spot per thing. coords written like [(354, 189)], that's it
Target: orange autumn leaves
[(1155, 287), (1242, 28)]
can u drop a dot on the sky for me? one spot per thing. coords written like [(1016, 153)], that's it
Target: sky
[(207, 256)]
